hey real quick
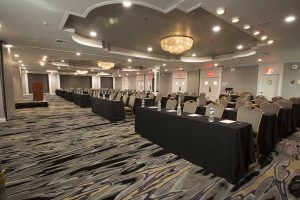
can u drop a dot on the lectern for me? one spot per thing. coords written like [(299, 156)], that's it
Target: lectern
[(37, 91)]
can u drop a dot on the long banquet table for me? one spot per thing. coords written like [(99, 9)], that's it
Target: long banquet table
[(68, 95), (113, 110), (223, 149), (82, 100), (138, 102)]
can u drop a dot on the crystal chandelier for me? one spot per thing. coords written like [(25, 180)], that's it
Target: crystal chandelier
[(176, 44), (106, 65)]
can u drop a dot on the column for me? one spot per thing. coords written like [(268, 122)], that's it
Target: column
[(54, 82)]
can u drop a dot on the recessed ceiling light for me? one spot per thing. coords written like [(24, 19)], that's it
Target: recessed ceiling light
[(127, 4), (78, 54), (150, 72), (220, 11), (239, 47), (264, 37), (270, 42), (259, 60), (166, 70), (180, 68), (235, 20), (127, 74), (93, 34), (247, 26), (42, 63), (164, 64), (20, 61), (129, 60), (22, 65), (149, 49), (129, 67), (58, 67), (62, 60), (17, 55), (92, 70), (194, 55), (256, 32), (137, 73), (216, 29), (216, 64), (290, 19), (0, 25)]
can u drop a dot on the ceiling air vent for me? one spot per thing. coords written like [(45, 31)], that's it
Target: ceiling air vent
[(60, 41)]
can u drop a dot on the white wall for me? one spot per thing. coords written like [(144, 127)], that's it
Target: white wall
[(24, 79), (96, 83), (179, 81), (54, 82), (211, 75), (193, 81)]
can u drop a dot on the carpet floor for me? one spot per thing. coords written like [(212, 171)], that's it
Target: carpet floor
[(67, 152)]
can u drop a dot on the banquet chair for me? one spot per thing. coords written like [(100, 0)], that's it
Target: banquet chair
[(223, 102), (173, 95), (171, 104), (185, 94), (125, 97), (190, 107), (253, 116), (119, 96), (239, 99), (242, 103), (274, 99), (270, 107), (217, 107), (227, 98), (285, 103), (129, 108), (202, 99), (295, 100), (260, 100), (158, 97), (144, 95), (151, 96), (194, 94)]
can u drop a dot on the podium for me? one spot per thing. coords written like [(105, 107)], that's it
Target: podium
[(37, 91)]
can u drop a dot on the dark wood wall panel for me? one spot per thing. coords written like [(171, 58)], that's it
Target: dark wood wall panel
[(106, 82), (38, 77), (68, 81)]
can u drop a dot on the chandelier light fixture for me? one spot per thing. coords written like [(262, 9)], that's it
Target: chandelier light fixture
[(106, 65), (176, 44)]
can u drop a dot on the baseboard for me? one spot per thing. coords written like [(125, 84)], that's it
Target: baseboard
[(2, 120)]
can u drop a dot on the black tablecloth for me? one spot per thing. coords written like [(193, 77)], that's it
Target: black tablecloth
[(82, 100), (223, 149), (58, 92), (268, 134), (138, 103), (296, 110), (111, 110), (63, 93), (68, 96), (188, 98), (286, 122)]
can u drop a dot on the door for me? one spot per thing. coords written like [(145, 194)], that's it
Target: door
[(270, 86), (211, 86)]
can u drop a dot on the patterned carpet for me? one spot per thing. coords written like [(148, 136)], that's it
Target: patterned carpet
[(67, 152)]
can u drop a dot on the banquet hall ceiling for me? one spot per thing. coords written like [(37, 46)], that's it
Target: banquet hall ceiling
[(33, 27)]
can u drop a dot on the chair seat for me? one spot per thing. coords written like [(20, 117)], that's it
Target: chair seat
[(127, 108)]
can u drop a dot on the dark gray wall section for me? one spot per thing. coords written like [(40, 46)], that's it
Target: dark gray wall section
[(68, 81), (291, 81), (242, 79), (38, 77), (106, 82)]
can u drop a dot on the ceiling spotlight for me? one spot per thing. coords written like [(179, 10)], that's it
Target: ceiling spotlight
[(256, 32), (22, 65), (164, 64), (42, 63), (235, 20), (129, 60), (216, 29), (93, 34), (270, 42), (137, 73), (17, 55), (259, 60), (194, 55), (62, 60), (247, 26), (92, 70), (119, 75), (127, 74), (289, 19), (166, 70), (264, 37), (180, 68), (129, 67), (58, 67), (78, 54), (216, 64), (0, 25), (127, 4), (149, 49), (220, 11), (239, 47), (20, 61)]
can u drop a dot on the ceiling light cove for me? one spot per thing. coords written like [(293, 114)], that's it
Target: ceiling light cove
[(235, 20), (256, 32), (220, 11), (216, 29), (149, 49), (93, 34), (127, 4), (247, 26), (290, 19), (240, 47), (176, 44)]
